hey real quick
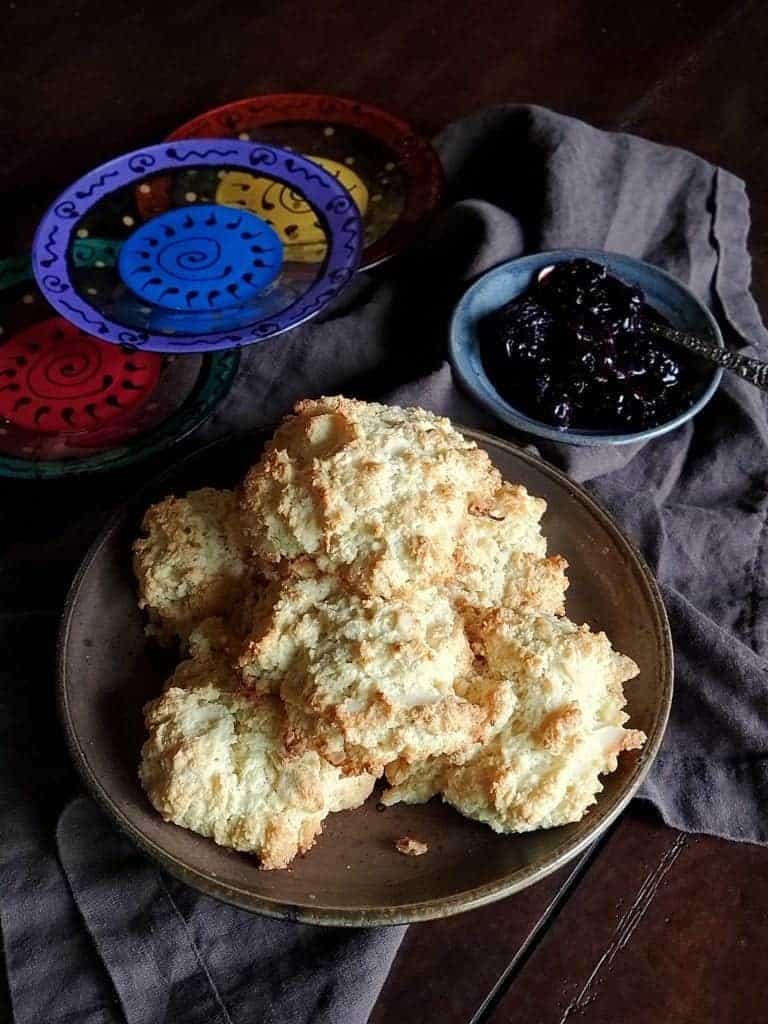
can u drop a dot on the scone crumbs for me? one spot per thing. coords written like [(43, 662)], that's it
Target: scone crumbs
[(411, 847)]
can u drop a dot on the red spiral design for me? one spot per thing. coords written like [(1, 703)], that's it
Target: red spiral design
[(74, 369), (54, 378)]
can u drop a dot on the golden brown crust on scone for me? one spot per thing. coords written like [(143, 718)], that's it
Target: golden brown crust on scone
[(374, 493), (500, 556), (367, 680), (215, 762), (190, 564), (543, 767)]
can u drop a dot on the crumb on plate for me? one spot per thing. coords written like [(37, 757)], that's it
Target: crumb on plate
[(411, 847)]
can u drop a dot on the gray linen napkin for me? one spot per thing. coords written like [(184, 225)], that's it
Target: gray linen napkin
[(95, 933)]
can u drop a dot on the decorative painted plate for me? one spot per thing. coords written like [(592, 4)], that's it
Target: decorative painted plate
[(216, 268), (72, 404), (393, 175)]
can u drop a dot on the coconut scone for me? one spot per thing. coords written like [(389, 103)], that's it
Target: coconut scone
[(543, 767), (500, 555), (367, 680), (372, 492), (190, 563), (215, 762)]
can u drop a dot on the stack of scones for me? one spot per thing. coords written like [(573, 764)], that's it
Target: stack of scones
[(373, 602)]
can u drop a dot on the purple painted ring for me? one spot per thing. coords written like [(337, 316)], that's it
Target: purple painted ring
[(331, 201)]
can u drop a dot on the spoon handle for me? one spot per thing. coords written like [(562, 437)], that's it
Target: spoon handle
[(753, 370)]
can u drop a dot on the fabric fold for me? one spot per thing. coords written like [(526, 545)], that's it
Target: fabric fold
[(181, 958), (54, 970)]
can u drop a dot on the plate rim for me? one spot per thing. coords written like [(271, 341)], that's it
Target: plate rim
[(368, 916), (411, 146)]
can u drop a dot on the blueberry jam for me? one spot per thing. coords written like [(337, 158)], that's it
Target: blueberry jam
[(574, 351)]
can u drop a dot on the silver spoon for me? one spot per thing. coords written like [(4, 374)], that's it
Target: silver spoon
[(753, 370)]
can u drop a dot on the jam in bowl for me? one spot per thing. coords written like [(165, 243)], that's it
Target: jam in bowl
[(558, 344)]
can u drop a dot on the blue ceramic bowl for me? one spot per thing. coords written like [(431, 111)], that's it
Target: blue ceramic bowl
[(506, 282)]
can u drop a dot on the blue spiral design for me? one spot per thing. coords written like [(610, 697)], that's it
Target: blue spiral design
[(262, 156), (66, 210), (132, 339), (140, 162), (340, 204), (200, 259), (192, 259), (55, 284)]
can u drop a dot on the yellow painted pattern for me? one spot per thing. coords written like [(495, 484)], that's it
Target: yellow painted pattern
[(287, 211)]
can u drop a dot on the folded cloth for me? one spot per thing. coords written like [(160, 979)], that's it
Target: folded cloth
[(95, 933)]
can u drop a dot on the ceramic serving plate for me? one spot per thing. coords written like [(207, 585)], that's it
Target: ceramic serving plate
[(353, 876)]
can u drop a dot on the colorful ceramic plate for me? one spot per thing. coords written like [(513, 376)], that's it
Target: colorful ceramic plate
[(57, 380), (394, 175), (72, 404), (353, 876), (206, 272)]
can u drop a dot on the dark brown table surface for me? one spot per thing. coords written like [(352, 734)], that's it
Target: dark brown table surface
[(652, 925)]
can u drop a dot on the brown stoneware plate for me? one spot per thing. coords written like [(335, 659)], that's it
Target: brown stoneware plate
[(353, 876)]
